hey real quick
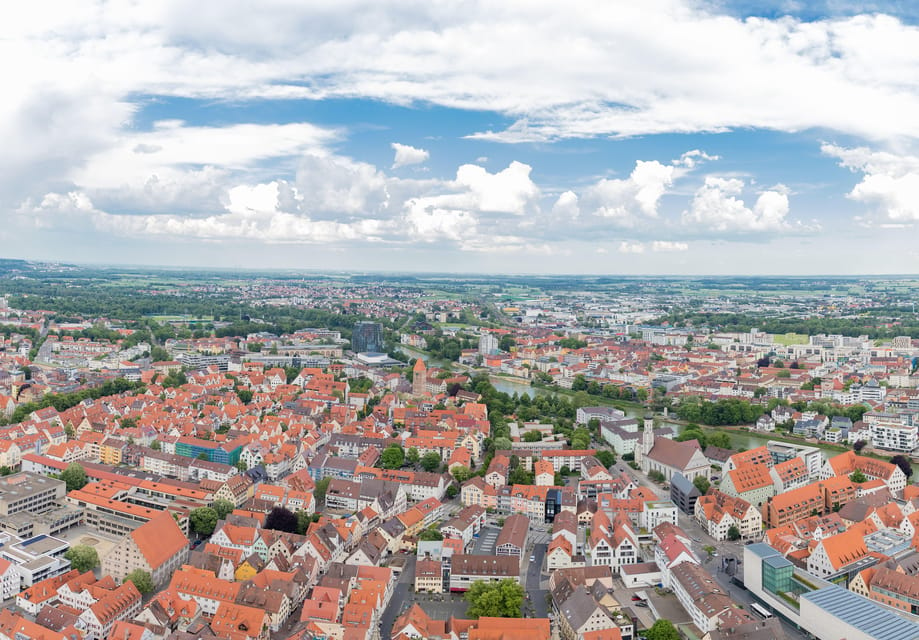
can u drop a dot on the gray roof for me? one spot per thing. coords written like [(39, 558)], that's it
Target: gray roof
[(866, 616), (683, 484)]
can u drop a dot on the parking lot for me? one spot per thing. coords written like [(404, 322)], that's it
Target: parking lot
[(485, 544)]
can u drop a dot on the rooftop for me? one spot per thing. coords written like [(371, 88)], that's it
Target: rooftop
[(861, 613)]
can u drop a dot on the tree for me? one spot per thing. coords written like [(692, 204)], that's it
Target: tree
[(702, 484), (202, 456), (222, 508), (520, 475), (244, 395), (733, 533), (303, 522), (532, 436), (413, 456), (507, 343), (903, 462), (156, 446), (709, 549), (430, 535), (858, 477), (203, 520), (461, 473), (281, 519), (82, 557), (74, 476), (392, 457), (502, 444), (859, 445), (722, 440), (656, 476), (128, 423), (319, 491), (430, 461), (662, 630), (5, 471), (141, 579), (606, 458), (451, 491), (502, 599)]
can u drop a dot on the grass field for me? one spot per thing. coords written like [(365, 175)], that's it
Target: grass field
[(181, 318), (791, 338)]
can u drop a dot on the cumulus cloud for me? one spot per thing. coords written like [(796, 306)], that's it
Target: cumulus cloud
[(566, 206), (717, 207), (631, 247), (407, 155), (624, 201), (889, 185)]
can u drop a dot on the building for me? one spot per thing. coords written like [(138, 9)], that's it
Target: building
[(158, 547), (488, 344), (367, 337), (668, 457), (702, 597), (419, 378), (683, 493), (466, 569), (512, 540), (718, 512), (429, 576), (29, 492), (752, 482)]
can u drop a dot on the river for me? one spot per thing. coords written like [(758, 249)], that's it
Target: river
[(739, 440)]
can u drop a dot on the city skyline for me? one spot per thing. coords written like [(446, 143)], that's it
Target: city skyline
[(673, 138)]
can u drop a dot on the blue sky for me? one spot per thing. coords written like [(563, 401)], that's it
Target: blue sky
[(668, 136)]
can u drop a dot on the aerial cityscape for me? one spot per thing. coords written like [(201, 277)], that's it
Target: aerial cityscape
[(401, 320)]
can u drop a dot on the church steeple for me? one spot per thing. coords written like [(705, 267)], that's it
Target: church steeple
[(647, 441)]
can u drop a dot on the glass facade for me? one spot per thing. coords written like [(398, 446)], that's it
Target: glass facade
[(777, 574)]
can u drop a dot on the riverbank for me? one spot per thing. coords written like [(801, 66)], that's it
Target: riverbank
[(594, 400), (499, 377)]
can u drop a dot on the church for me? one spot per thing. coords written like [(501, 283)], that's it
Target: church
[(669, 457)]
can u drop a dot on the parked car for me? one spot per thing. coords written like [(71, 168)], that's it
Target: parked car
[(641, 604), (637, 599)]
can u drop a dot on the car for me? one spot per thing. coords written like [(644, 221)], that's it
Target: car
[(641, 604), (637, 599), (532, 558)]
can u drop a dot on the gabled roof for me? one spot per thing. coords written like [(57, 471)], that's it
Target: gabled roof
[(159, 539)]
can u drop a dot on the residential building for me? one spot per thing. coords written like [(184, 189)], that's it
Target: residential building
[(158, 547)]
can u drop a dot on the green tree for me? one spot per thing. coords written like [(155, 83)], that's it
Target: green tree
[(656, 476), (430, 535), (156, 446), (319, 491), (203, 520), (532, 436), (606, 458), (503, 444), (451, 491), (412, 455), (858, 477), (733, 533), (520, 475), (74, 476), (244, 395), (82, 557), (709, 549), (702, 484), (392, 457), (222, 508), (141, 579), (430, 461), (128, 423), (502, 599), (461, 473), (662, 630), (202, 456), (5, 471), (904, 463)]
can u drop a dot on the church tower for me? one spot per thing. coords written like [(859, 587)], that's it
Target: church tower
[(646, 444), (419, 378)]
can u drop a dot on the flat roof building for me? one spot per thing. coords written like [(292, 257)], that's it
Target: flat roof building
[(30, 492)]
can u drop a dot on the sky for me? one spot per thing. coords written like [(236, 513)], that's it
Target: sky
[(520, 136)]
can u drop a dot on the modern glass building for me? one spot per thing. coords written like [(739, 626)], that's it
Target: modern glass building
[(367, 337)]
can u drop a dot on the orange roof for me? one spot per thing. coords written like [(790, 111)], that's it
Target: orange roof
[(844, 548), (510, 629), (750, 477), (159, 539)]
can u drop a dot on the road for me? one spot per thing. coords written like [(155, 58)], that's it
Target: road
[(534, 582), (401, 597)]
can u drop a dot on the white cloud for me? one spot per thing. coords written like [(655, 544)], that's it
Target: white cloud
[(631, 247), (624, 201), (661, 246), (716, 208), (566, 206), (889, 184), (657, 246), (407, 155), (692, 158)]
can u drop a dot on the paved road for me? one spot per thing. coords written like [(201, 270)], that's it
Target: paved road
[(401, 597), (534, 584)]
